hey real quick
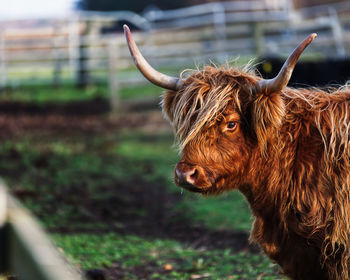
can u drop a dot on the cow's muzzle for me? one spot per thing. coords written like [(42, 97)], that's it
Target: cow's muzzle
[(191, 177)]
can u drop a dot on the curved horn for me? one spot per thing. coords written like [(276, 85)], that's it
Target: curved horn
[(146, 69), (283, 77)]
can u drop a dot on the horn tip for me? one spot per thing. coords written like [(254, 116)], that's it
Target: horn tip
[(312, 36), (127, 34), (309, 39), (126, 28)]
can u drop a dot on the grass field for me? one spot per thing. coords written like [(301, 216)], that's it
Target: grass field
[(107, 198), (69, 93)]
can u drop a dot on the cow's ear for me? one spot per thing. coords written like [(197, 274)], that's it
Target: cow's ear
[(268, 113), (168, 104)]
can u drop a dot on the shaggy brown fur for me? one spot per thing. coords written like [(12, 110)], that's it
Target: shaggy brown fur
[(288, 154)]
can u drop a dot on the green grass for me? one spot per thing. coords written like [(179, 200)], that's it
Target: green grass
[(68, 93), (50, 167), (171, 259), (228, 211)]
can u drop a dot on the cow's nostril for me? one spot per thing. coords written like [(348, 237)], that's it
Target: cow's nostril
[(191, 176), (194, 175), (186, 175)]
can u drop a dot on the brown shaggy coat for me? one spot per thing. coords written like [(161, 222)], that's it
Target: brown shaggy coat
[(289, 155)]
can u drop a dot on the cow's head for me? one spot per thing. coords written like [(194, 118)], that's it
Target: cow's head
[(221, 117)]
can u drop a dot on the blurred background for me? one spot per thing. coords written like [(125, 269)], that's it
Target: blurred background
[(84, 145)]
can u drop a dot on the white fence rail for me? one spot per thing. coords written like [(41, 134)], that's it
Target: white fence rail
[(77, 48)]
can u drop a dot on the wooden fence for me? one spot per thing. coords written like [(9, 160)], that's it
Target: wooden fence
[(83, 48), (26, 251)]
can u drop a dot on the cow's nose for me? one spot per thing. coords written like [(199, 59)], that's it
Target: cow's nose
[(184, 177)]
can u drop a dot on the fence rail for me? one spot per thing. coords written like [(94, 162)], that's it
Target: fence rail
[(78, 48), (26, 251)]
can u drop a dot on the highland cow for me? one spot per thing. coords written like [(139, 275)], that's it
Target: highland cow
[(287, 150)]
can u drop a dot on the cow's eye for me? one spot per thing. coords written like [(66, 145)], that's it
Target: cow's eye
[(231, 126)]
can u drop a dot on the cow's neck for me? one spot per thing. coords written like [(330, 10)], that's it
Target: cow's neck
[(287, 172)]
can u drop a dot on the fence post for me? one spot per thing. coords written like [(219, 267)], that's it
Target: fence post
[(258, 38), (337, 31), (219, 20), (3, 71), (31, 255), (73, 45), (57, 56), (82, 69), (113, 86)]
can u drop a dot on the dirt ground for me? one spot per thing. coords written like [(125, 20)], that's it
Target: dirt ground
[(85, 116)]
